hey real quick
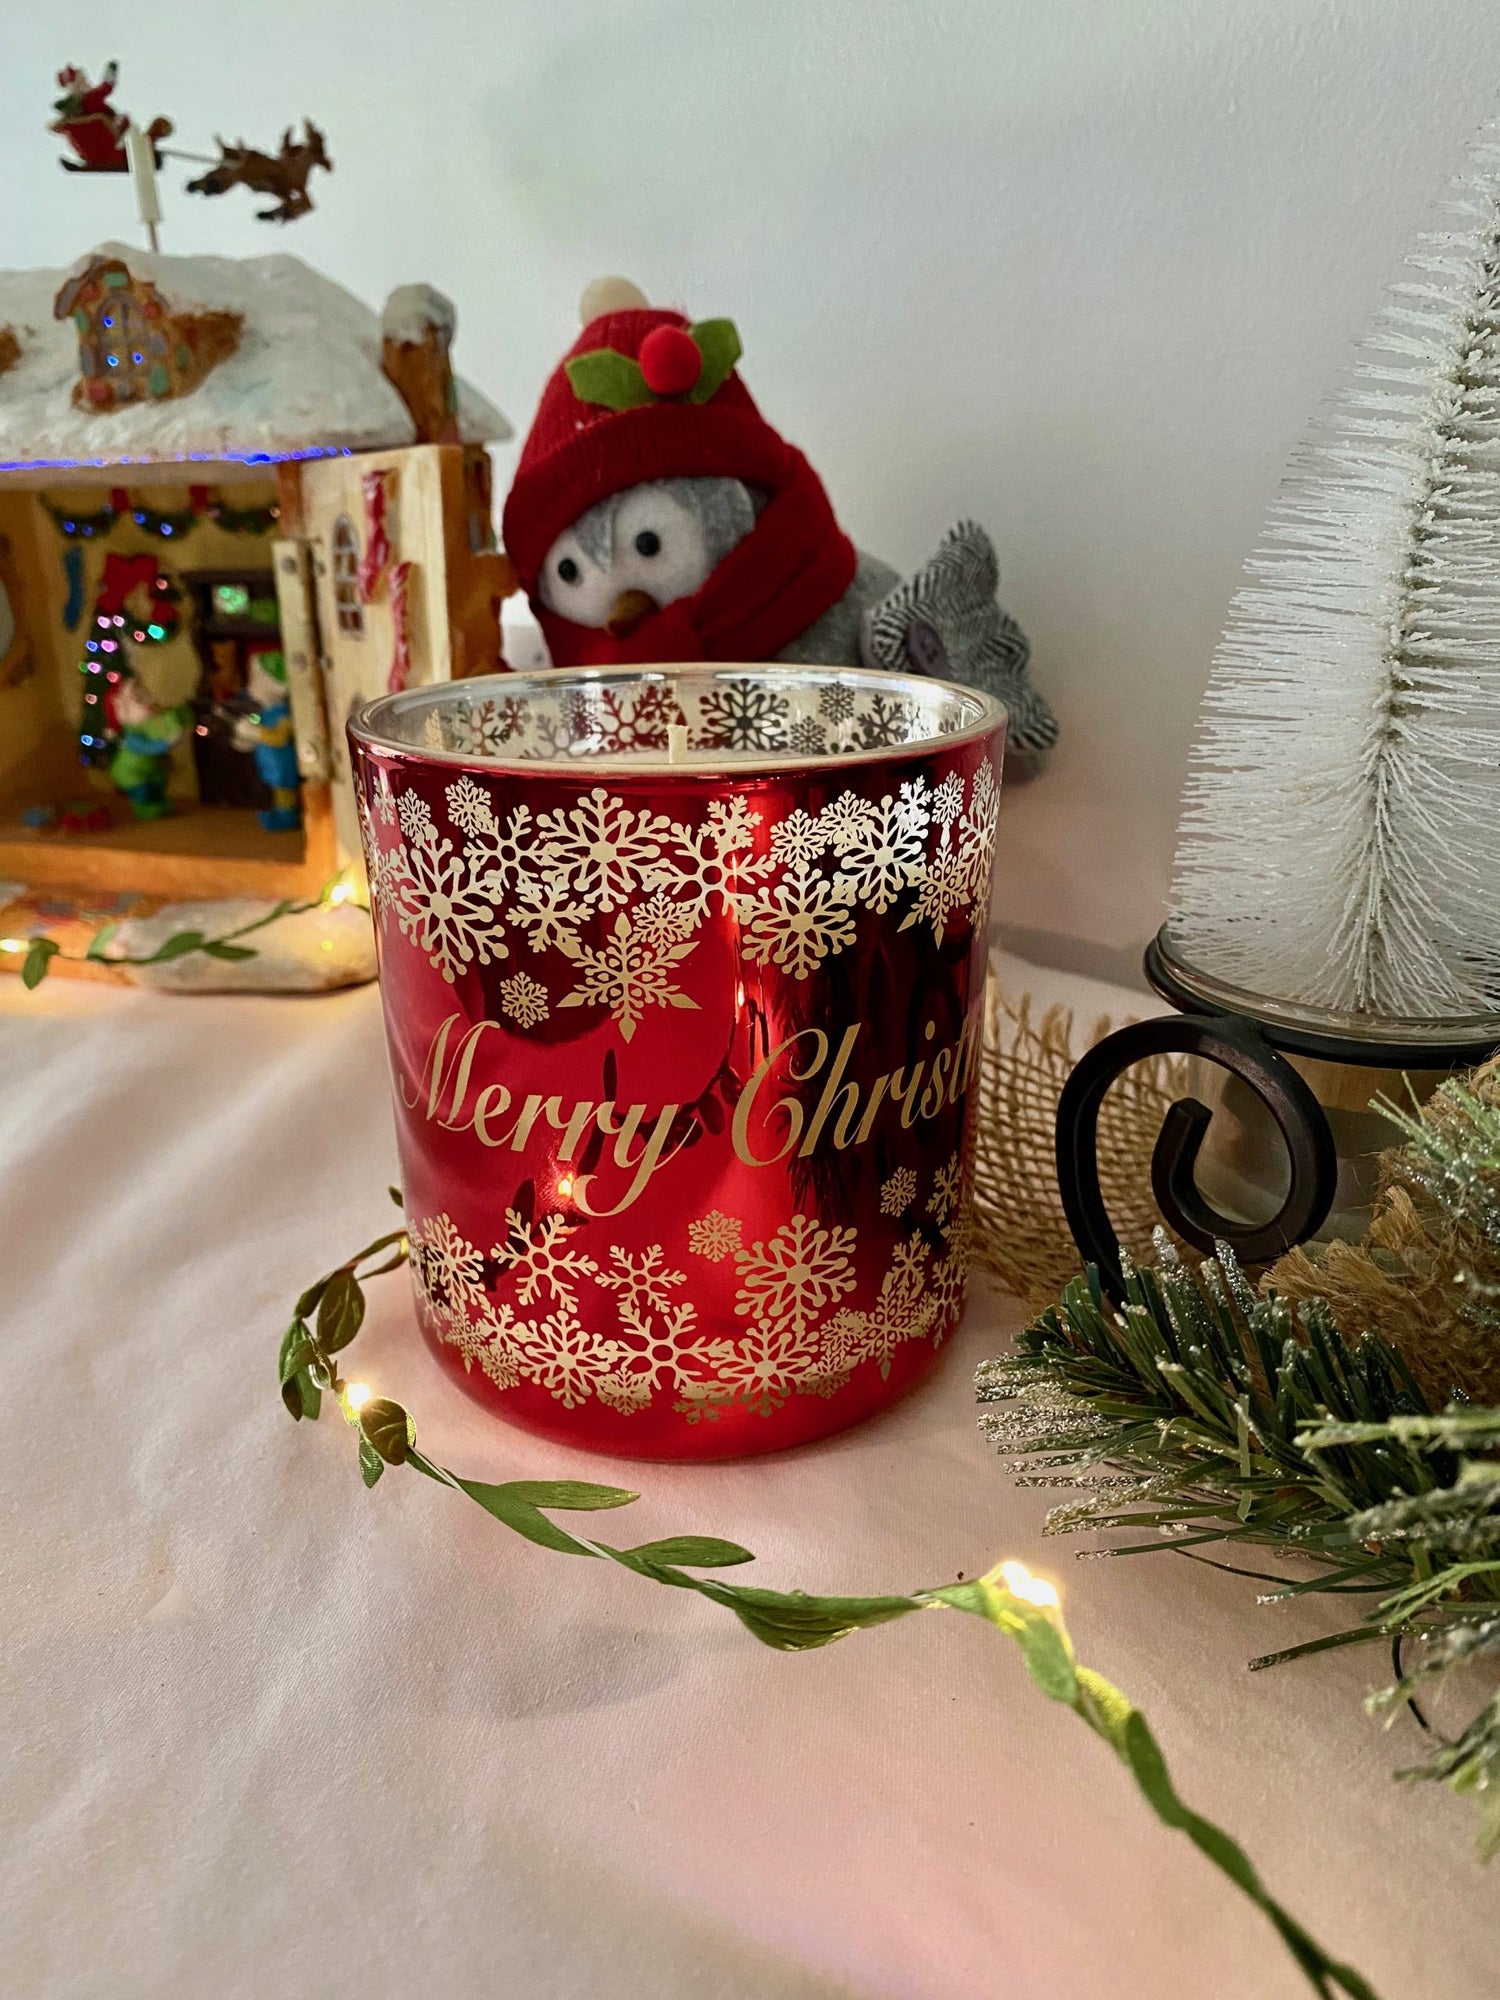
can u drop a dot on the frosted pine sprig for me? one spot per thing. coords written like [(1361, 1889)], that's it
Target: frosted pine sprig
[(1340, 839)]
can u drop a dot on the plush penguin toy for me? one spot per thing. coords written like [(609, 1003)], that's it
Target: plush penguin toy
[(655, 515)]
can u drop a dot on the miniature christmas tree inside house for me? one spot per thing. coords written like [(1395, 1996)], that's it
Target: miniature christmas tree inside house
[(234, 504)]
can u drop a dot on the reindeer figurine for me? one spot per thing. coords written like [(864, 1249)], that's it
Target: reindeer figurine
[(284, 175)]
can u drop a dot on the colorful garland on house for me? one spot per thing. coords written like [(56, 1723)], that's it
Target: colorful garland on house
[(325, 1321), (75, 524)]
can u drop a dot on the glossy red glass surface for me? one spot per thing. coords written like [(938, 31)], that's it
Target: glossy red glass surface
[(682, 1053)]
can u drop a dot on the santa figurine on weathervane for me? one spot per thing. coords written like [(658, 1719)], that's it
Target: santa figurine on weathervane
[(656, 516)]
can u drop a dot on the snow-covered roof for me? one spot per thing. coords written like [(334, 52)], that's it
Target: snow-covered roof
[(304, 382)]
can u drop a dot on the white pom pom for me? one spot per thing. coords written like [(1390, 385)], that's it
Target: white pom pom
[(609, 295)]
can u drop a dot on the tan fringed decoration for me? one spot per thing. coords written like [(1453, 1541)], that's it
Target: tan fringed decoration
[(1427, 1286), (1021, 1238)]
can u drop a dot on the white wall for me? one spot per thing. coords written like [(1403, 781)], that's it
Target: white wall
[(1080, 268)]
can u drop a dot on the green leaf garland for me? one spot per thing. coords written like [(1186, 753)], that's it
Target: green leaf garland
[(41, 951), (1015, 1604)]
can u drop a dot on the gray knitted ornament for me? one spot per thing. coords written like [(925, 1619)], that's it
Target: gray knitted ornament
[(946, 620)]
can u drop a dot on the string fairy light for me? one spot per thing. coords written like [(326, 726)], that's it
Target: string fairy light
[(1020, 1582)]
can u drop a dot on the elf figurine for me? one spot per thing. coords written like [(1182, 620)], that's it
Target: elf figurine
[(147, 735), (268, 731), (655, 515)]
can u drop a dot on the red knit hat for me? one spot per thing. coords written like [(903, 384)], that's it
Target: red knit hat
[(580, 451)]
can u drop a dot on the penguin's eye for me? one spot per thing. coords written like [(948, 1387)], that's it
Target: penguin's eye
[(648, 543), (567, 569)]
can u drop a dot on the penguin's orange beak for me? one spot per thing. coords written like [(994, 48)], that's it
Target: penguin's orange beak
[(630, 608)]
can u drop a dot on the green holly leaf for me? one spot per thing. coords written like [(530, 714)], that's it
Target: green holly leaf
[(387, 1429), (341, 1311), (371, 1464), (718, 342), (39, 956), (609, 378)]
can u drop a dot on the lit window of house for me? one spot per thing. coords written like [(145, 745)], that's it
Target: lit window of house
[(346, 600)]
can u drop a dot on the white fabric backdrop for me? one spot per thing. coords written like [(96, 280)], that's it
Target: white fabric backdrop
[(269, 1734)]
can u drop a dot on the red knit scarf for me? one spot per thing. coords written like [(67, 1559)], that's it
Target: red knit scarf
[(795, 564)]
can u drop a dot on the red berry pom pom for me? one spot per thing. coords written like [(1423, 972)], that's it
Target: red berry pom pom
[(670, 361)]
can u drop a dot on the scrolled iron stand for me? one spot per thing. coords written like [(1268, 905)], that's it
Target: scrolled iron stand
[(1234, 1044), (1253, 1051)]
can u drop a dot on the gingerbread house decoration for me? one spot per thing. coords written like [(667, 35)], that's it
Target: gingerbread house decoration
[(249, 459), (133, 345)]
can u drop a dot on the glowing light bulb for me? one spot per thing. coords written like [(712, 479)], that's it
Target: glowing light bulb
[(1030, 1589), (341, 891), (358, 1394), (565, 1187), (12, 944)]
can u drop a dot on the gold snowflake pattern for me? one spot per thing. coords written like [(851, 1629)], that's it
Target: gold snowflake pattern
[(524, 999), (799, 839), (439, 897), (796, 1272), (446, 1265), (601, 846), (657, 1345), (742, 715), (946, 1184), (641, 1279), (636, 720), (547, 913), (714, 1236), (622, 892), (899, 1192), (761, 1370), (882, 848), (903, 1311), (560, 1355), (796, 923), (540, 1258), (706, 867), (629, 972), (618, 1332), (948, 1286)]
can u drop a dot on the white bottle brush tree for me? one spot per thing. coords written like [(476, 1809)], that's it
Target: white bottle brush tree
[(1340, 839)]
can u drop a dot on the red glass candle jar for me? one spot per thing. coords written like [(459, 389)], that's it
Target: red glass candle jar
[(683, 974)]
